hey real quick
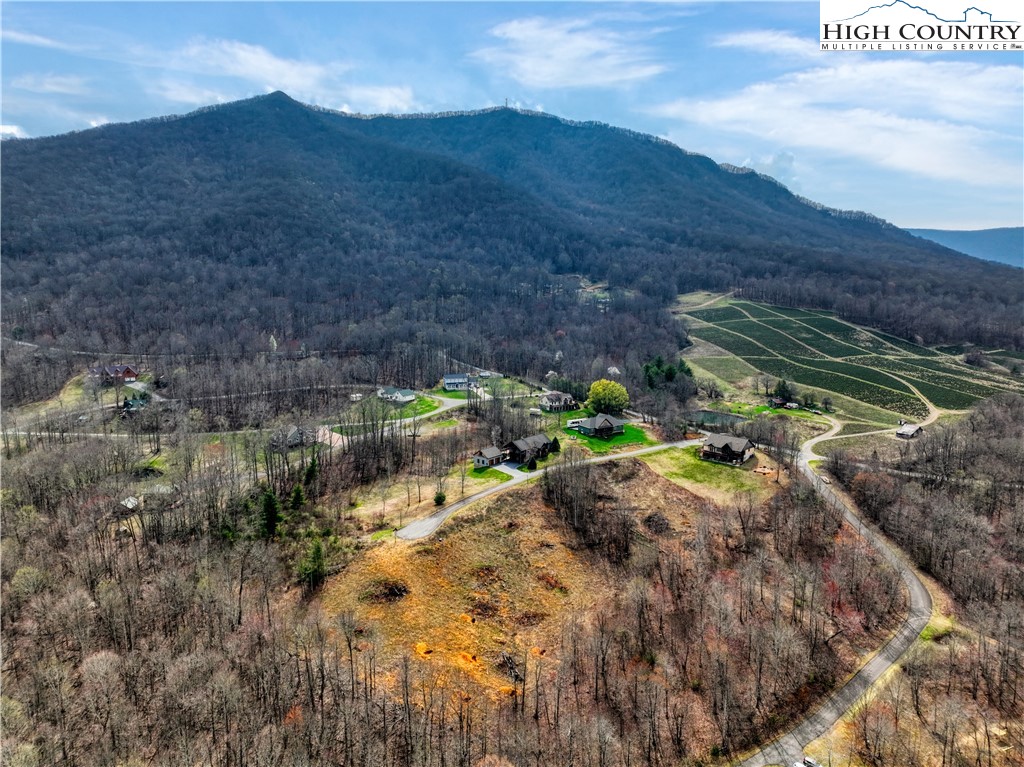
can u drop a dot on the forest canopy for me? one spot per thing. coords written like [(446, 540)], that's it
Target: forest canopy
[(468, 233)]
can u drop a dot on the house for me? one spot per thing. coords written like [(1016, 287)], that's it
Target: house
[(601, 425), (396, 396), (458, 381), (292, 436), (726, 448), (355, 397), (557, 402), (535, 446), (909, 431), (776, 401), (114, 374), (489, 456)]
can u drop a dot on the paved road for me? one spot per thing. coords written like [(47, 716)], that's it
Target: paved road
[(421, 528), (788, 747)]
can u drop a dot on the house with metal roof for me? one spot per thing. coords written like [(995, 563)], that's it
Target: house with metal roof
[(726, 448), (602, 425)]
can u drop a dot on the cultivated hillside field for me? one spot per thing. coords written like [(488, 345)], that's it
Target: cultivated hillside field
[(815, 349)]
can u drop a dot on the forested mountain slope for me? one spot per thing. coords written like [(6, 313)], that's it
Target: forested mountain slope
[(211, 231)]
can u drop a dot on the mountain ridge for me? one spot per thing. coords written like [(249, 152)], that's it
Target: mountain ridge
[(1004, 245), (341, 231)]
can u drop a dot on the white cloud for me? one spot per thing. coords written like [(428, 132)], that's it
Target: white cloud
[(68, 85), (770, 41), (187, 93), (781, 166), (12, 131), (255, 64), (543, 53), (941, 120), (372, 99), (27, 38)]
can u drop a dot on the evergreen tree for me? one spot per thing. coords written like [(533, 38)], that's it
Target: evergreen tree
[(271, 513), (311, 471), (313, 566), (298, 499)]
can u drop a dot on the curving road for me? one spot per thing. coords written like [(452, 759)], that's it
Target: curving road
[(421, 528), (788, 747)]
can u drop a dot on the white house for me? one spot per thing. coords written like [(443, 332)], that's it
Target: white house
[(489, 456), (458, 381), (396, 396)]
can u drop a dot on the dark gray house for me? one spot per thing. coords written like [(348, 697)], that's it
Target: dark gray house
[(601, 425), (726, 448)]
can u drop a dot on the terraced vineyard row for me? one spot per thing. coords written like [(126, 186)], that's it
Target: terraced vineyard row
[(888, 399), (718, 314), (755, 310), (919, 375), (731, 342), (981, 376), (870, 366), (857, 371), (940, 396), (770, 337), (899, 343), (862, 339), (823, 343)]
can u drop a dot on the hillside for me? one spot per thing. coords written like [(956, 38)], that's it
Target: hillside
[(210, 232), (1004, 245)]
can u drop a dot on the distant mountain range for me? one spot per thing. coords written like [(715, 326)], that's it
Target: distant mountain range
[(1004, 245), (464, 231)]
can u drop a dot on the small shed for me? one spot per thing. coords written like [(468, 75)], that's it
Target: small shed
[(909, 431)]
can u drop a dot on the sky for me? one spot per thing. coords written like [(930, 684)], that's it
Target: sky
[(931, 140)]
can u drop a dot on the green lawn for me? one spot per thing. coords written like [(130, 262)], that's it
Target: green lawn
[(441, 392), (730, 369), (684, 467), (741, 408), (503, 387), (421, 406), (446, 424), (852, 429), (632, 436), (489, 474)]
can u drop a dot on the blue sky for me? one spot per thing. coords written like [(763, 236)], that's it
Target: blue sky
[(921, 139)]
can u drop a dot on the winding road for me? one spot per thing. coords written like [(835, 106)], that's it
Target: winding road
[(787, 748), (421, 528)]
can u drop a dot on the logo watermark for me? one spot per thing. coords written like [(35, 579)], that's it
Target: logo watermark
[(921, 25)]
